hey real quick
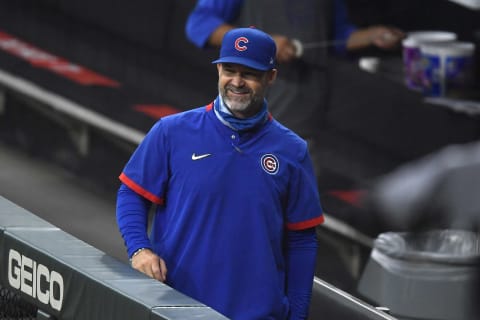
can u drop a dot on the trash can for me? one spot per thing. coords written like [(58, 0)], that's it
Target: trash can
[(426, 275)]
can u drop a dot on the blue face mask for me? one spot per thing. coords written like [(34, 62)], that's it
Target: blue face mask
[(240, 124)]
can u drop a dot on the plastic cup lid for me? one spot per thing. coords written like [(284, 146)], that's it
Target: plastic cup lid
[(454, 48), (417, 37)]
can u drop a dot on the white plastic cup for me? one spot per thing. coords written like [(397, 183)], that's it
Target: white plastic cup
[(412, 66), (369, 64), (448, 68)]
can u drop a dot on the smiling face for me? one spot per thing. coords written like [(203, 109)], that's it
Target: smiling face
[(243, 89)]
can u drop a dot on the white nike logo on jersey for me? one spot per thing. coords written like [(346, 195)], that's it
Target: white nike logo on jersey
[(200, 156)]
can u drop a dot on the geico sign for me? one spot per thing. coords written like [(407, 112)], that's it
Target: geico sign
[(35, 279)]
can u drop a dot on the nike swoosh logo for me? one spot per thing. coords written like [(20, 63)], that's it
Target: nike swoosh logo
[(200, 156)]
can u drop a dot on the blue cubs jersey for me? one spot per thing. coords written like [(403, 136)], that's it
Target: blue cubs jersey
[(224, 201)]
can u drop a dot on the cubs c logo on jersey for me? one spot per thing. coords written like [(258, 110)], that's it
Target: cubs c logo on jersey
[(270, 163), (240, 44)]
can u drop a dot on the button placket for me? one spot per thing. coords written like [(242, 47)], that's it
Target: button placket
[(235, 141)]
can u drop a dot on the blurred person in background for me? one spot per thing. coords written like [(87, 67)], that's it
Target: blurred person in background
[(440, 190), (237, 201), (304, 32)]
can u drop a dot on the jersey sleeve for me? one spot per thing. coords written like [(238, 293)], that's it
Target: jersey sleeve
[(303, 208), (343, 28), (146, 172), (207, 16)]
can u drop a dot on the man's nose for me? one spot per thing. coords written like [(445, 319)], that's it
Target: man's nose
[(237, 80)]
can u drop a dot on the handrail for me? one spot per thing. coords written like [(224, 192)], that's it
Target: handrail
[(347, 231), (350, 305), (70, 108)]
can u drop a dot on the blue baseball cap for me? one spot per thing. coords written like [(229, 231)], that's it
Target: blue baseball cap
[(250, 47)]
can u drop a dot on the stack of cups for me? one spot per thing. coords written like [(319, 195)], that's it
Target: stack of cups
[(437, 64), (412, 56), (448, 68)]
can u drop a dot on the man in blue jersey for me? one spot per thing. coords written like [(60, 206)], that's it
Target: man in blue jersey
[(235, 194)]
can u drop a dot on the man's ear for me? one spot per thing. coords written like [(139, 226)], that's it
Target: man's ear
[(272, 75)]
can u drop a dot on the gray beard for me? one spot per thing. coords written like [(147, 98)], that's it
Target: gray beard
[(243, 106), (248, 105)]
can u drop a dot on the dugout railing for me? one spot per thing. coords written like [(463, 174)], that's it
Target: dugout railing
[(66, 278)]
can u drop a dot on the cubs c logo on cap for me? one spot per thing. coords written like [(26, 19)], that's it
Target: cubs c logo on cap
[(270, 163), (249, 47), (240, 44)]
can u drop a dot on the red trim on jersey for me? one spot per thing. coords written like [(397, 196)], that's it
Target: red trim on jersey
[(306, 224), (138, 189)]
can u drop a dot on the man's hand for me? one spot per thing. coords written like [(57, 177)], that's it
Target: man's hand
[(386, 37), (382, 37), (149, 263), (286, 50)]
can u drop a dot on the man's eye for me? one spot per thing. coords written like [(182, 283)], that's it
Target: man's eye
[(252, 75)]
